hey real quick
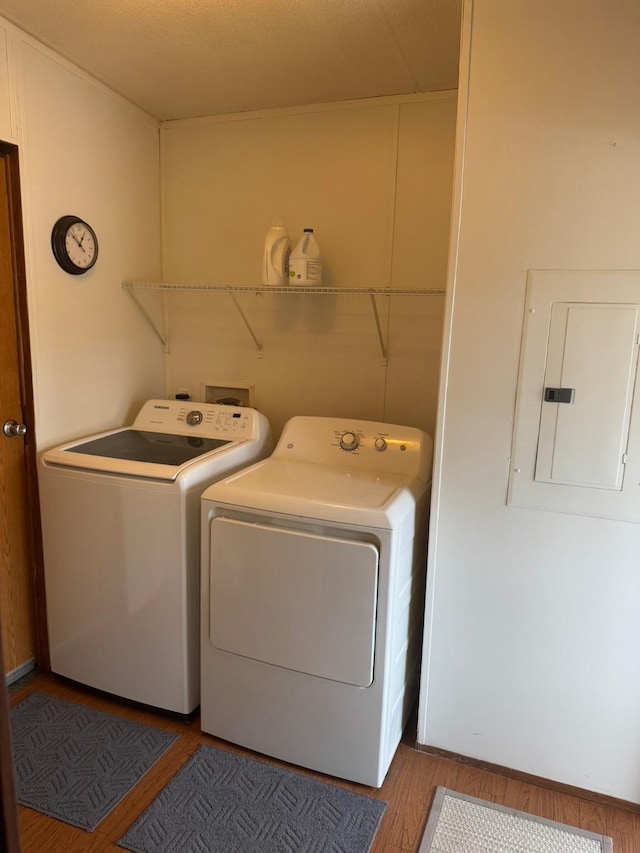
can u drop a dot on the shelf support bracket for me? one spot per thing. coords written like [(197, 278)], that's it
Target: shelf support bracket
[(376, 317), (247, 324), (155, 326)]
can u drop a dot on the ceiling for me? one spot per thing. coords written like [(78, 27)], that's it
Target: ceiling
[(185, 58)]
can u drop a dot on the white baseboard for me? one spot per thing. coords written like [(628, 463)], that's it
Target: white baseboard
[(19, 671)]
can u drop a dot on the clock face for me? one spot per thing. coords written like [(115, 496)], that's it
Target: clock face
[(74, 244), (81, 246)]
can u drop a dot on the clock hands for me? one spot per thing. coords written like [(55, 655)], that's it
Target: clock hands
[(80, 242)]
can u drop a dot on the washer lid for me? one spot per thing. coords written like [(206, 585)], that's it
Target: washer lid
[(141, 446), (317, 491), (137, 453), (167, 438)]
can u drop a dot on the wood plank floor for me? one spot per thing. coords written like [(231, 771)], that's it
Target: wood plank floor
[(408, 790)]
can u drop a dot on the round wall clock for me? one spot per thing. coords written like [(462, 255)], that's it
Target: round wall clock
[(74, 245)]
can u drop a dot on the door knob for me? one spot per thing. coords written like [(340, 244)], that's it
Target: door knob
[(12, 428)]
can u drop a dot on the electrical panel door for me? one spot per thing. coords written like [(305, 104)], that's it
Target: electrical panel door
[(591, 356), (576, 440)]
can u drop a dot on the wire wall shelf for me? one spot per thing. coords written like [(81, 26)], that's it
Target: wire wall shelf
[(290, 289), (135, 288)]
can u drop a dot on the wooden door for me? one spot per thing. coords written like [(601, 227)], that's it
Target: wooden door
[(19, 519), (21, 584), (9, 829)]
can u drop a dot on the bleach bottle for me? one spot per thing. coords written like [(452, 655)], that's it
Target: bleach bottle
[(304, 264), (277, 248)]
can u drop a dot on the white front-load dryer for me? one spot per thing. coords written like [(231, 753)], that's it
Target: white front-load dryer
[(313, 569), (121, 535)]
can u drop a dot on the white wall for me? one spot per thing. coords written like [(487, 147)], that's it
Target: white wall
[(85, 151), (533, 618), (374, 179)]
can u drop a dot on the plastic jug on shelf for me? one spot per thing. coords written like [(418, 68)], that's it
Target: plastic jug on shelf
[(277, 248), (305, 266)]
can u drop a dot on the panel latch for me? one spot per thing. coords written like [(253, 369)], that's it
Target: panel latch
[(559, 395)]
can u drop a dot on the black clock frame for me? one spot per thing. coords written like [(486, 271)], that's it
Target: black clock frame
[(59, 249)]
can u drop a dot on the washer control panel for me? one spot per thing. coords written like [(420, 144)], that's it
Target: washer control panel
[(210, 420)]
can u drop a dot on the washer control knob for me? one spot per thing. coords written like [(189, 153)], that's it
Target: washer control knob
[(349, 441), (380, 444), (194, 418)]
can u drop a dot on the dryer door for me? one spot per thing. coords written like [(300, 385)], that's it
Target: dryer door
[(293, 599)]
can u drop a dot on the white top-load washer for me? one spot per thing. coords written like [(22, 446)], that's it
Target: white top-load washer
[(313, 569), (120, 523)]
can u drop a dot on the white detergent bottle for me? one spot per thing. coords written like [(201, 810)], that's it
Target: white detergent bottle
[(277, 248), (305, 266)]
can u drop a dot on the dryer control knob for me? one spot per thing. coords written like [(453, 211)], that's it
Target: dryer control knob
[(349, 441), (380, 444), (194, 418)]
